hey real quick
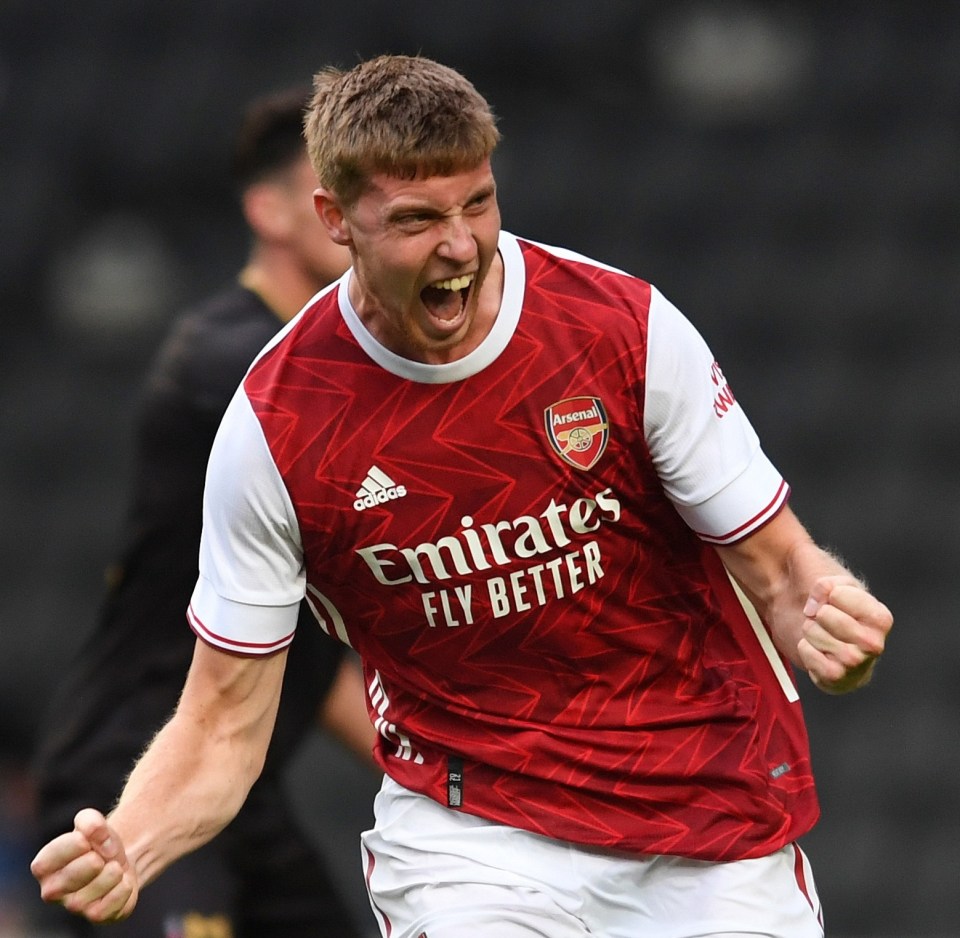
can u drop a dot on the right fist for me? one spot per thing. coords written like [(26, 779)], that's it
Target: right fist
[(86, 870)]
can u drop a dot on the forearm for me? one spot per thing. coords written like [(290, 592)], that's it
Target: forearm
[(343, 713), (186, 787), (776, 574), (183, 791), (196, 774)]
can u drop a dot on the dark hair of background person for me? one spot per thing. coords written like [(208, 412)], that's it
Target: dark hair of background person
[(270, 138)]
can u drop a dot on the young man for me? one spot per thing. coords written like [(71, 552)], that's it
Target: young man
[(516, 481), (262, 877)]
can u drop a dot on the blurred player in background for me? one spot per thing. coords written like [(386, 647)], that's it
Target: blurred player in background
[(261, 877), (516, 481)]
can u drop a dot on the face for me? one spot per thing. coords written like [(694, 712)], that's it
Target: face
[(318, 257), (423, 250)]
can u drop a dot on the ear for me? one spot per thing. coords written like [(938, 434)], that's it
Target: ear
[(266, 212), (331, 214)]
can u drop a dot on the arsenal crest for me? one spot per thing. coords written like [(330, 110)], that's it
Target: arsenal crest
[(577, 429)]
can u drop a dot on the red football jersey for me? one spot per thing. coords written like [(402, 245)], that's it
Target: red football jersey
[(519, 546)]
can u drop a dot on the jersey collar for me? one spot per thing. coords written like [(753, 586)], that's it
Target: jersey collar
[(514, 277)]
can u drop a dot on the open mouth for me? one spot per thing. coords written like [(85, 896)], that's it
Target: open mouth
[(446, 300)]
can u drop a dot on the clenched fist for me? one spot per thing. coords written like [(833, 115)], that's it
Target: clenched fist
[(86, 870)]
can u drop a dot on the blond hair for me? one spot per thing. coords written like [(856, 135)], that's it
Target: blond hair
[(399, 115)]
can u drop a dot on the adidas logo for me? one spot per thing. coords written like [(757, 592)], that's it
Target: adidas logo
[(377, 489)]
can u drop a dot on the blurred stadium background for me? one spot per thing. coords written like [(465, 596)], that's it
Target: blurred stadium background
[(786, 172)]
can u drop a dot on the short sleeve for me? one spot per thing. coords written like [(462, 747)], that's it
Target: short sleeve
[(705, 450), (251, 558)]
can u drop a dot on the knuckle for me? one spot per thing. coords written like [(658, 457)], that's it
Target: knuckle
[(835, 670), (850, 657), (73, 903), (49, 892), (875, 644)]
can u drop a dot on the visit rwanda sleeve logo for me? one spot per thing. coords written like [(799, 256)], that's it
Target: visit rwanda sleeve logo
[(578, 430)]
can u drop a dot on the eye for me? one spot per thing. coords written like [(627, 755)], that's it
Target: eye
[(413, 221), (479, 202)]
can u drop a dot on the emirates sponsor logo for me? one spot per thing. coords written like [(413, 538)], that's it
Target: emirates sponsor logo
[(479, 547)]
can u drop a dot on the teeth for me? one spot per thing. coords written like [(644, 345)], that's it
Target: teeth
[(457, 283)]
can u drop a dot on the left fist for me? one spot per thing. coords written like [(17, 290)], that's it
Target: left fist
[(844, 632)]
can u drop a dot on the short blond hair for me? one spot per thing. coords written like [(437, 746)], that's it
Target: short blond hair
[(399, 115)]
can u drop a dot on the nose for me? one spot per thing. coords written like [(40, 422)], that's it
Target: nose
[(457, 243)]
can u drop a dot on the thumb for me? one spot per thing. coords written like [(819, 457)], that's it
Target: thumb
[(100, 835), (821, 590)]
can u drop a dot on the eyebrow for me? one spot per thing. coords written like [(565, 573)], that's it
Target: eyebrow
[(416, 207)]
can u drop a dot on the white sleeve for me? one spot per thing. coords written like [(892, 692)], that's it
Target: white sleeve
[(706, 452), (251, 558)]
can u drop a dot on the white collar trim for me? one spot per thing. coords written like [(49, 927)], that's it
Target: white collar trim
[(504, 326)]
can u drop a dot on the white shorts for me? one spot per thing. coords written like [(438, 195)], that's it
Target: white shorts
[(436, 873)]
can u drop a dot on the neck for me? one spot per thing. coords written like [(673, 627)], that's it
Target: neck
[(383, 328), (280, 284)]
